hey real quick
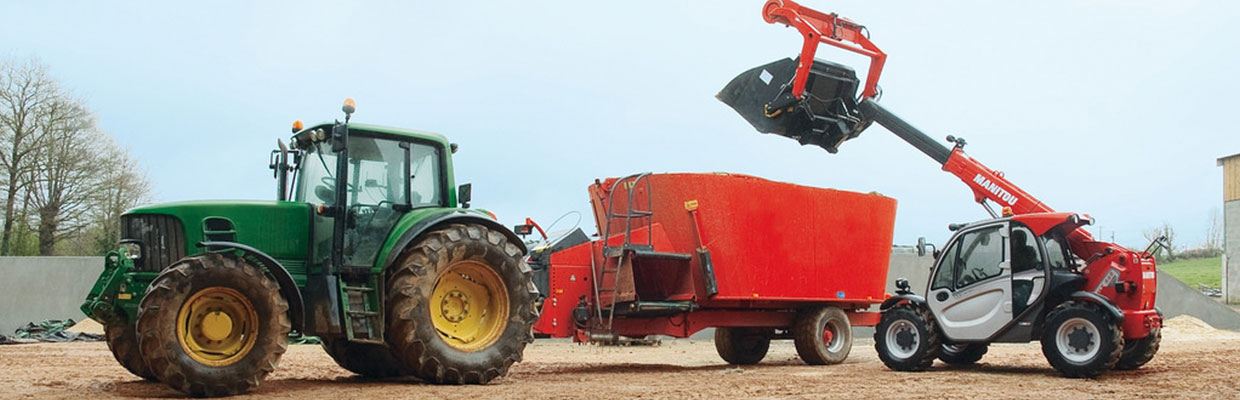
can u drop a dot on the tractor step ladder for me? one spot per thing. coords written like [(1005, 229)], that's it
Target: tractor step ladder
[(614, 257), (362, 320)]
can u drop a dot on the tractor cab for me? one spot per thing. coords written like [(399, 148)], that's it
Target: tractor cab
[(991, 281)]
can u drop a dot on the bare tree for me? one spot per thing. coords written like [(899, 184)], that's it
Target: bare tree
[(1167, 232), (68, 172), (25, 90), (123, 187), (1214, 234)]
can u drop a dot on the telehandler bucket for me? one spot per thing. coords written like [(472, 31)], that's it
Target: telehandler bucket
[(825, 116)]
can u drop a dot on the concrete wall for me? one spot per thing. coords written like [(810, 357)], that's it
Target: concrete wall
[(37, 288), (1231, 250)]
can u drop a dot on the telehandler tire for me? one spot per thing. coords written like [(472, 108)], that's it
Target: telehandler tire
[(1081, 340), (962, 354), (907, 338), (365, 359), (213, 325), (743, 346), (1139, 352), (123, 342), (822, 336), (460, 305)]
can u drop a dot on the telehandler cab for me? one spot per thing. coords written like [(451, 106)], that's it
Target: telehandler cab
[(1028, 274), (365, 247)]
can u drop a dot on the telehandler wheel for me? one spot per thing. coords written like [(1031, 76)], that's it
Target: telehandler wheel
[(822, 336), (213, 325), (123, 342), (1081, 340), (962, 354), (365, 359), (460, 304), (743, 346), (907, 339), (1138, 352)]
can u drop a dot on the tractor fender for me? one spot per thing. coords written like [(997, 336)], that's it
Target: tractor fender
[(1092, 297), (898, 299), (288, 287), (444, 217)]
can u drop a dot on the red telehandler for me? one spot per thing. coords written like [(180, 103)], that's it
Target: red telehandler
[(1028, 273)]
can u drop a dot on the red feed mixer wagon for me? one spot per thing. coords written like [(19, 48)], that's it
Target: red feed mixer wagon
[(757, 259)]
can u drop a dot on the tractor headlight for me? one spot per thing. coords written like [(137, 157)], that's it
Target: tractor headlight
[(132, 249)]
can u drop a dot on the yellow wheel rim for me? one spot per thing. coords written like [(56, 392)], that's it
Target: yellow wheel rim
[(469, 306), (217, 326)]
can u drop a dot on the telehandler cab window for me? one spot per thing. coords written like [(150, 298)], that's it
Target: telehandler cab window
[(1056, 252), (981, 251), (1025, 254)]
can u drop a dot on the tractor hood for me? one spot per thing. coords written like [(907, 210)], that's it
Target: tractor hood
[(169, 231)]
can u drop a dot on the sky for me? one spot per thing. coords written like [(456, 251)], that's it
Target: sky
[(1114, 108)]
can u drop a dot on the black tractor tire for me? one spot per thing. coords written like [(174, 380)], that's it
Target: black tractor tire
[(1139, 352), (915, 341), (123, 342), (809, 335), (1068, 326), (413, 337), (743, 346), (962, 354), (366, 359), (165, 352)]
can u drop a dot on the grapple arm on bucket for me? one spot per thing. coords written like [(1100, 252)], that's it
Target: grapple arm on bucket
[(817, 27)]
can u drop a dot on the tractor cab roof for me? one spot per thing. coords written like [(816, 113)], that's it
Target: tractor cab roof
[(380, 130), (1039, 223)]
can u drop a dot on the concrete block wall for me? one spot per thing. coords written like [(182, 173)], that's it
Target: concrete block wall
[(33, 289), (1231, 251)]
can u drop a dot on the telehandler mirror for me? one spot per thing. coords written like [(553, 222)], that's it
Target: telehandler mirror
[(464, 194), (922, 245), (523, 230)]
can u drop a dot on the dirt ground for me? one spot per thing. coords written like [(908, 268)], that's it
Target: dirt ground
[(1196, 361)]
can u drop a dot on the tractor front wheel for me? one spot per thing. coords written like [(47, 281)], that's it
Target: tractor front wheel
[(742, 346), (822, 336), (907, 339), (962, 354), (213, 325), (123, 342), (1081, 340), (460, 305)]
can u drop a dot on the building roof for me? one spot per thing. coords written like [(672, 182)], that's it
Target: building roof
[(1224, 158)]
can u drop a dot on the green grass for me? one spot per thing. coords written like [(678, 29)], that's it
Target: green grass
[(1195, 271)]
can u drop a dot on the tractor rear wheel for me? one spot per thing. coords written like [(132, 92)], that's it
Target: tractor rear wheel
[(962, 354), (743, 346), (1138, 352), (460, 304), (123, 342), (822, 336), (907, 339), (365, 359), (1081, 340), (213, 325)]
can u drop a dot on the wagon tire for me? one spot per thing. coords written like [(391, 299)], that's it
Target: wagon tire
[(822, 336), (743, 346), (430, 291)]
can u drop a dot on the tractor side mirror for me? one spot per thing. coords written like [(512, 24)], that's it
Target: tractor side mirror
[(464, 194), (922, 245)]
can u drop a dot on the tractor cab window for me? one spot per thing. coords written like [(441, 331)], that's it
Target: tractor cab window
[(981, 252), (425, 181), (1025, 254), (946, 274)]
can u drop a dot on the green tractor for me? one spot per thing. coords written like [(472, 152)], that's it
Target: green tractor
[(365, 247)]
